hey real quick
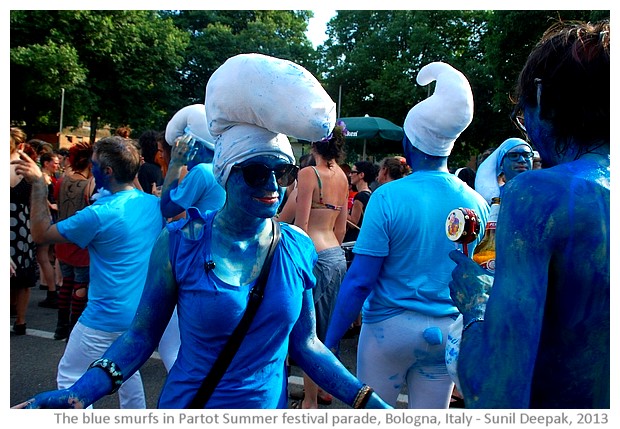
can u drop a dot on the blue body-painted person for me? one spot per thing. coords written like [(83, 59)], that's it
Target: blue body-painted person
[(541, 338), (192, 146), (254, 165), (401, 268), (119, 230), (513, 157)]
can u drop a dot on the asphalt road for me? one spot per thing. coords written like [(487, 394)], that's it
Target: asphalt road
[(34, 359)]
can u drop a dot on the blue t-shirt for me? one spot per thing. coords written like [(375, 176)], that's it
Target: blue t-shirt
[(209, 310), (199, 189), (405, 224), (119, 231)]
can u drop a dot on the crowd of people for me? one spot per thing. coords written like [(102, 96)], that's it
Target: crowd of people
[(173, 240)]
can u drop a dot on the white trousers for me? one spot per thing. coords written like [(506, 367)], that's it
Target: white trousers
[(394, 352), (87, 345)]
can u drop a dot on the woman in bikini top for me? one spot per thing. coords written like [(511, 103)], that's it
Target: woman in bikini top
[(322, 192), (321, 204)]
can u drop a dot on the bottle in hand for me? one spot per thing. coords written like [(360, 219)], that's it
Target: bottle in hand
[(484, 253)]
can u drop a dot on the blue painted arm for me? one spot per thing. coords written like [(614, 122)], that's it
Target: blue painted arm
[(497, 356), (470, 287), (320, 364), (132, 349), (178, 158), (169, 208)]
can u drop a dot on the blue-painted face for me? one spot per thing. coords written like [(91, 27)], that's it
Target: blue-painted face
[(101, 179), (517, 160), (257, 194), (202, 154)]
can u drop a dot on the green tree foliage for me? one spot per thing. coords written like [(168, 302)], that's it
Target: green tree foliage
[(139, 67), (372, 57), (216, 35), (135, 67), (117, 67), (510, 38)]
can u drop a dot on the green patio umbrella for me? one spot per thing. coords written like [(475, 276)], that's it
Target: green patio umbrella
[(369, 127)]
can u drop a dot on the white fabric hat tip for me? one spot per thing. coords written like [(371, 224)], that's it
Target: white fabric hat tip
[(434, 124)]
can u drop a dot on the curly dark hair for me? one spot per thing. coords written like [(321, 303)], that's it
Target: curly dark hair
[(332, 148), (148, 145), (568, 74)]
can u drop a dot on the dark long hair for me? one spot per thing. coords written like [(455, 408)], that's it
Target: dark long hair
[(568, 74), (332, 147), (148, 145)]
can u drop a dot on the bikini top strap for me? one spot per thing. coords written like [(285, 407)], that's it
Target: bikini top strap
[(320, 184)]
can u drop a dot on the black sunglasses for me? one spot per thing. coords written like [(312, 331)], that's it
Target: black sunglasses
[(514, 156), (257, 175)]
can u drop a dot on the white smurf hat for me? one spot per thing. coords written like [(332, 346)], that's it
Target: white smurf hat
[(244, 141), (190, 120), (271, 93), (253, 102), (434, 124)]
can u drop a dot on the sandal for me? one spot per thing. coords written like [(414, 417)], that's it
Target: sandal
[(19, 329)]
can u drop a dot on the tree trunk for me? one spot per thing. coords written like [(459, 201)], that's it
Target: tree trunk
[(94, 123)]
